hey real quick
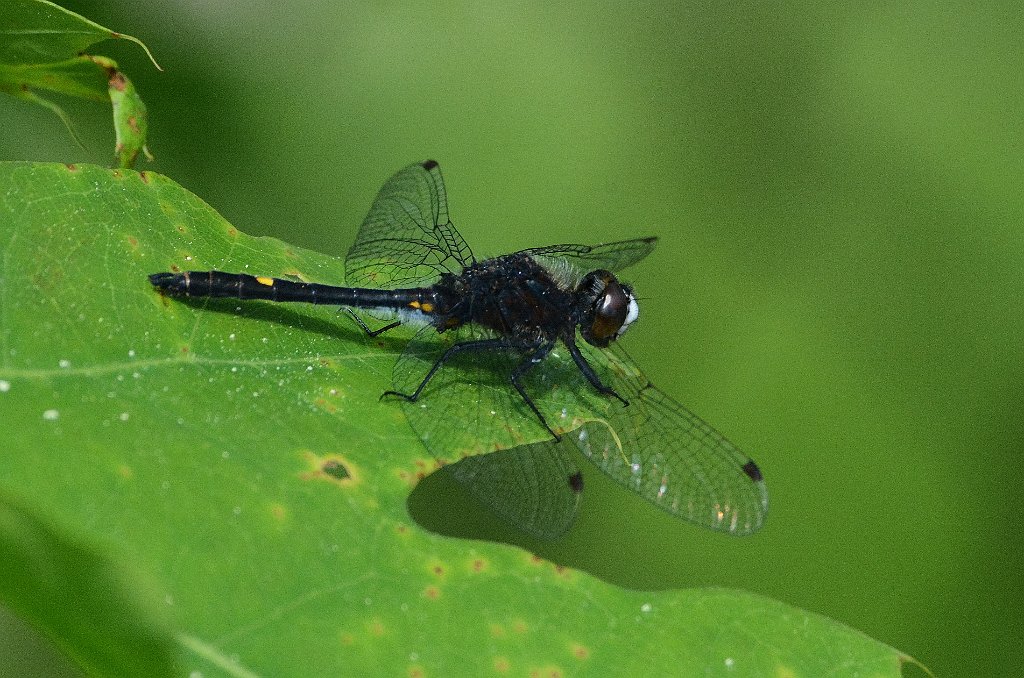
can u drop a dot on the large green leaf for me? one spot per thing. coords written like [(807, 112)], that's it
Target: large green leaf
[(42, 47), (73, 592), (237, 453)]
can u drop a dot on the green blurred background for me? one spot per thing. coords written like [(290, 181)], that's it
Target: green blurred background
[(838, 284)]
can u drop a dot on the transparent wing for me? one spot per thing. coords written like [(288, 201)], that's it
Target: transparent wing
[(469, 413), (613, 256), (655, 447), (407, 239), (535, 487), (665, 453)]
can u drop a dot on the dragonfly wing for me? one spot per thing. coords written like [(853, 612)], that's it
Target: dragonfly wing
[(535, 487), (407, 239), (469, 413), (583, 259), (665, 453)]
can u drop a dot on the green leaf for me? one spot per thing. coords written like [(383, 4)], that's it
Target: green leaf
[(82, 598), (38, 31), (41, 48), (237, 453)]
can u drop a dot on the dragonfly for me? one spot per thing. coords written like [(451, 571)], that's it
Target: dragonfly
[(517, 367)]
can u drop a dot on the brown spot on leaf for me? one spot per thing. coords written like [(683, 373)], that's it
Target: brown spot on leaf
[(144, 176), (232, 231), (501, 664), (134, 242), (326, 405), (416, 671), (376, 627), (519, 626), (72, 166), (175, 268), (431, 593), (412, 478), (133, 123), (346, 638), (478, 565), (333, 468), (580, 651), (117, 81)]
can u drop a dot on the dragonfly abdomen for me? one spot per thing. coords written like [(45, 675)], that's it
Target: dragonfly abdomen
[(244, 286)]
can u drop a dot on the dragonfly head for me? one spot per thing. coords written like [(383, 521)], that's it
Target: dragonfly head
[(605, 308)]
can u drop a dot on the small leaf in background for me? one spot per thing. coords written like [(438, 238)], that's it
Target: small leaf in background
[(41, 48), (237, 454)]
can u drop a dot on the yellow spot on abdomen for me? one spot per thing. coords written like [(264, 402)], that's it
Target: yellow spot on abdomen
[(426, 306), (264, 280)]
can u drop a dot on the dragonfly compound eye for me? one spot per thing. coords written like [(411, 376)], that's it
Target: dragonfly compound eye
[(614, 308)]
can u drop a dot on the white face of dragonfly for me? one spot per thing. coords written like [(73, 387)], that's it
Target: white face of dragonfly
[(632, 313)]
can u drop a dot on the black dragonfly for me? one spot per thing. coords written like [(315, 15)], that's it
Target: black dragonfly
[(486, 373)]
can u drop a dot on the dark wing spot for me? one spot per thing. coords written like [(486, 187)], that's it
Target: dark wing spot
[(430, 164), (576, 482), (750, 468)]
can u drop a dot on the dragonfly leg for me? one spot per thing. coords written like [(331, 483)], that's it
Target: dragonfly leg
[(476, 345), (522, 368), (372, 333), (589, 372)]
